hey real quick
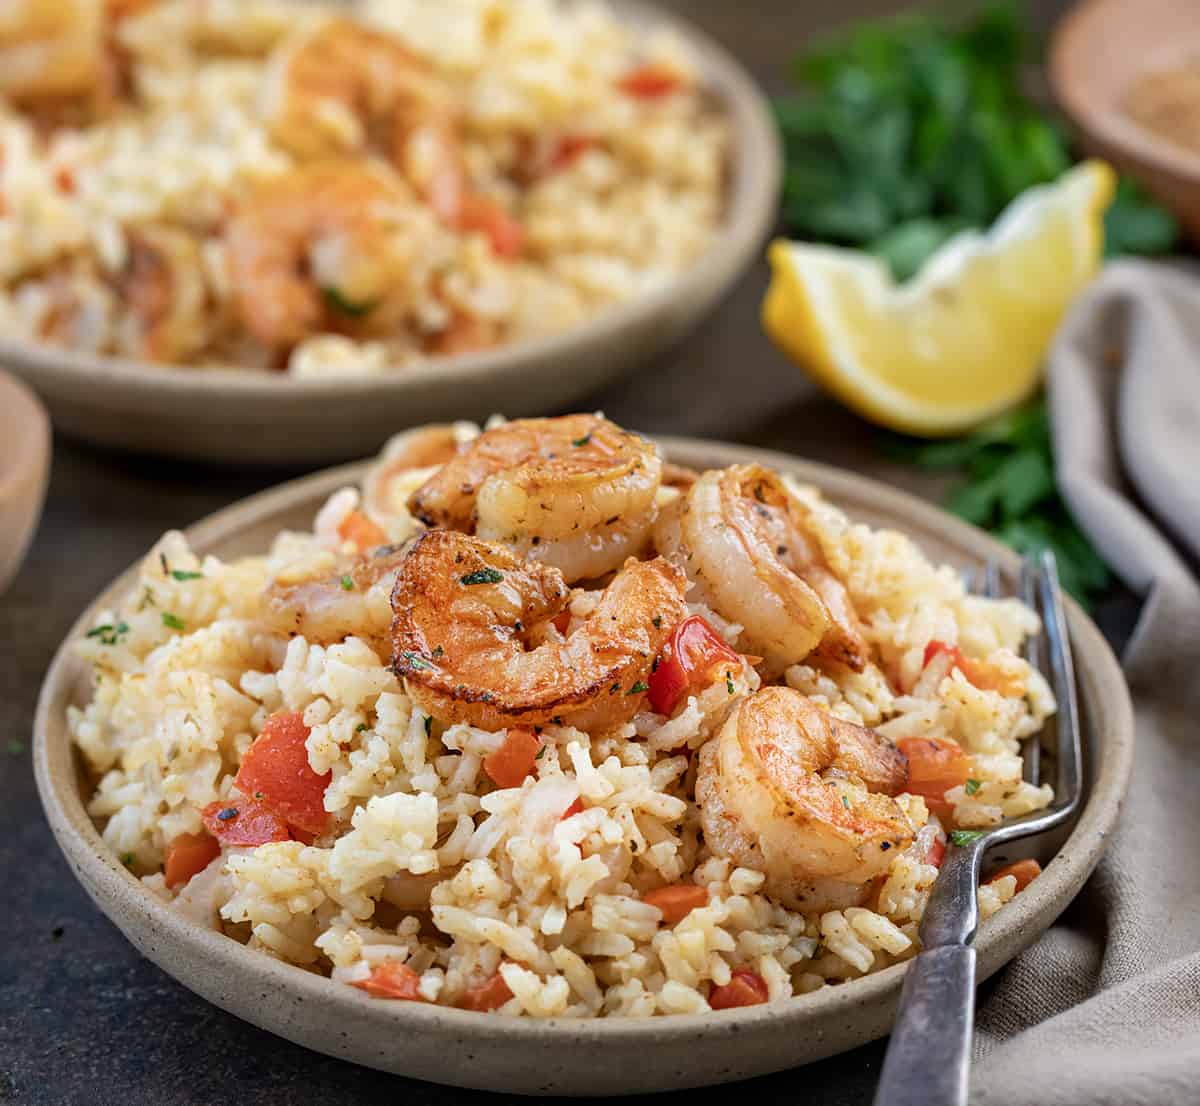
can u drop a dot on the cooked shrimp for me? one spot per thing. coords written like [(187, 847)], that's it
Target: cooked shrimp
[(319, 248), (463, 609), (575, 492), (163, 285), (804, 797), (740, 534), (337, 597), (51, 48), (407, 461), (330, 87)]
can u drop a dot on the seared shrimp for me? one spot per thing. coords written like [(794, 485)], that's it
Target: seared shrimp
[(51, 48), (805, 798), (464, 610), (740, 534), (163, 284), (329, 88), (575, 492), (319, 248), (397, 473), (341, 596)]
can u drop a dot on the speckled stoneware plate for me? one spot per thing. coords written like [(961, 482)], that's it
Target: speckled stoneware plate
[(601, 1057), (238, 415)]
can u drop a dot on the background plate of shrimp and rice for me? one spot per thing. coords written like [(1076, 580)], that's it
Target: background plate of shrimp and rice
[(276, 231), (613, 767)]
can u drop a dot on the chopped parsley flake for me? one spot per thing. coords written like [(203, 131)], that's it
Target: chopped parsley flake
[(108, 633), (335, 301), (657, 620), (971, 786), (127, 859), (347, 583), (173, 621), (415, 661), (965, 837), (845, 802), (259, 794), (182, 574), (578, 442), (638, 688), (729, 683), (481, 576), (540, 753), (614, 689), (438, 651), (360, 727), (226, 814)]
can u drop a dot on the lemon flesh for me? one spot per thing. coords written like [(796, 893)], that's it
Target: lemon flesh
[(965, 338)]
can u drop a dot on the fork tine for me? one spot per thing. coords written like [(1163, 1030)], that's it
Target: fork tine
[(1062, 671), (1033, 655), (991, 580)]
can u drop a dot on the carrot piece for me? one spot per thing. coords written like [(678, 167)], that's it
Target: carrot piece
[(935, 765), (514, 760), (243, 822), (1023, 871), (677, 900), (488, 995), (696, 649), (649, 82), (745, 988), (361, 530), (506, 235), (391, 979), (188, 854), (573, 809), (275, 771)]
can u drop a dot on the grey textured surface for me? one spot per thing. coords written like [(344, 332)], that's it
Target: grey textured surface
[(85, 1020)]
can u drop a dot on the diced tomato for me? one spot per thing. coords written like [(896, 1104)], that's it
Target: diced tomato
[(242, 822), (361, 530), (677, 900), (568, 148), (575, 808), (489, 995), (188, 854), (936, 852), (514, 760), (1024, 871), (64, 179), (695, 649), (935, 765), (505, 234), (745, 988), (561, 621), (391, 979), (978, 672), (275, 771), (649, 82)]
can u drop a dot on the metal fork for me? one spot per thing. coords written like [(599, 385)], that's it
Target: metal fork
[(937, 1004)]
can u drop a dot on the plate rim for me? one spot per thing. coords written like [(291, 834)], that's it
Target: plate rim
[(114, 889)]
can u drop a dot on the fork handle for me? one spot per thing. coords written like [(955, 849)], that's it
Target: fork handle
[(929, 1054)]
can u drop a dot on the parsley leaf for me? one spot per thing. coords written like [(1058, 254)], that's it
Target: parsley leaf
[(173, 621), (338, 303), (182, 575), (347, 583), (965, 837), (971, 786), (638, 688), (481, 576)]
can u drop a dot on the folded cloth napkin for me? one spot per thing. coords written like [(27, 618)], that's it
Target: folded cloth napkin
[(1105, 1008)]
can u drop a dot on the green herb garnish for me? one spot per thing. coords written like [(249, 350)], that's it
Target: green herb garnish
[(127, 859), (335, 301), (347, 583), (729, 683), (965, 837), (1007, 487), (578, 442), (541, 752), (182, 574), (173, 621), (360, 727), (971, 786), (845, 802), (638, 688), (438, 651), (481, 576), (415, 661), (657, 620), (108, 633)]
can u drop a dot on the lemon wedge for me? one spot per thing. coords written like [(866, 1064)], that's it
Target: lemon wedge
[(966, 337)]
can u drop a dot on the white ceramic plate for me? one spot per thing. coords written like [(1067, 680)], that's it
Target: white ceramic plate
[(595, 1057), (238, 415)]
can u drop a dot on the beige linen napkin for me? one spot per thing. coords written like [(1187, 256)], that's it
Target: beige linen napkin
[(1105, 1009)]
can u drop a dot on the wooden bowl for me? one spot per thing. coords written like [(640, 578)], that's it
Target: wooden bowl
[(566, 1056), (1099, 50), (24, 470), (245, 416)]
